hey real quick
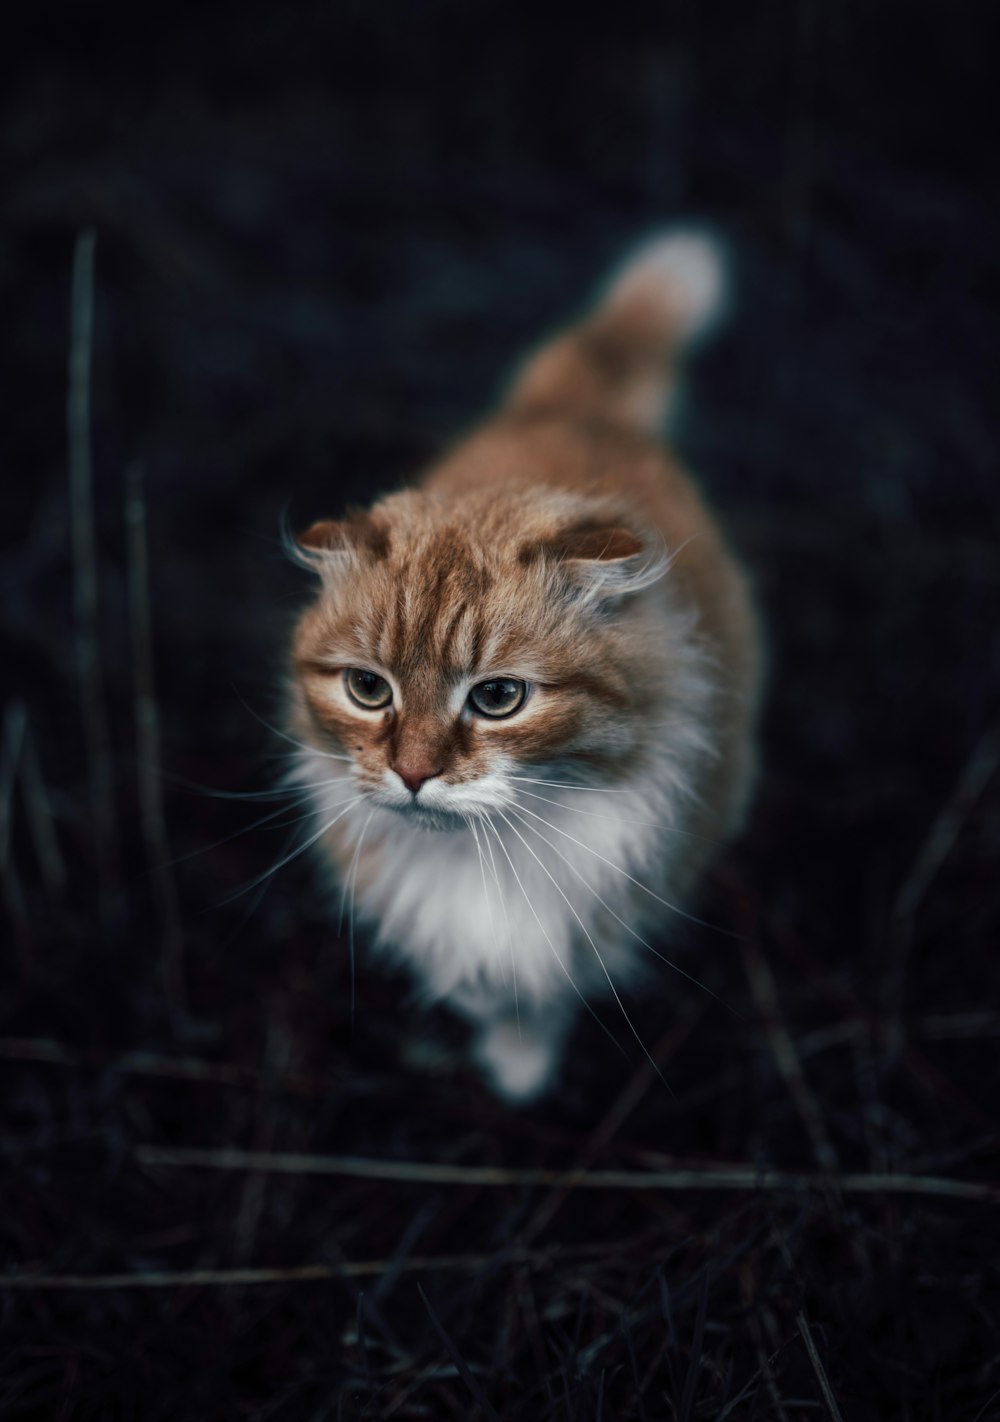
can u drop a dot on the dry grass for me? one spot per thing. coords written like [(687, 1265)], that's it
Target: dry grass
[(225, 1196)]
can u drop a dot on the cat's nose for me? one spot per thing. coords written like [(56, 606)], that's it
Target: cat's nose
[(414, 773)]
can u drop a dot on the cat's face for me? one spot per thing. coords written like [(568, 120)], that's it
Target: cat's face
[(446, 659)]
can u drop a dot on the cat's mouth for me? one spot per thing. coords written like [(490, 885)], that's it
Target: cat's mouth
[(437, 819), (425, 817)]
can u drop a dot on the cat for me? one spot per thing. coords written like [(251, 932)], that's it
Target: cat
[(524, 696)]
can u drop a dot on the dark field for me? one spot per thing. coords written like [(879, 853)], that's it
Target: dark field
[(323, 236)]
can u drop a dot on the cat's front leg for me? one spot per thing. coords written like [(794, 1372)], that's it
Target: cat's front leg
[(520, 1060), (518, 1048)]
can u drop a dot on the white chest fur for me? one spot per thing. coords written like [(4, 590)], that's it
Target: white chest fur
[(543, 895)]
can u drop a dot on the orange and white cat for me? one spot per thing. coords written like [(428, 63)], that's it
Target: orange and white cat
[(525, 692)]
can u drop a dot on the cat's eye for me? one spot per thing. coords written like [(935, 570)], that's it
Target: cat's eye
[(367, 688), (500, 696)]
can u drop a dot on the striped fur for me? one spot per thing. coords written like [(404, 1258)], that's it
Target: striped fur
[(561, 546)]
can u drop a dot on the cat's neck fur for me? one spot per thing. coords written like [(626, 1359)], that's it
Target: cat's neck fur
[(467, 906)]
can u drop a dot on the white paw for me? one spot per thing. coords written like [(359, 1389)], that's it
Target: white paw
[(519, 1065)]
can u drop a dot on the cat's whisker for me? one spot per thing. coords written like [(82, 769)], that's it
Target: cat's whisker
[(606, 790), (301, 849), (597, 952), (616, 819), (486, 892), (674, 908), (350, 887), (503, 906), (276, 792), (506, 920), (272, 818), (627, 926), (314, 753), (283, 735), (254, 904), (566, 972), (347, 877), (510, 936), (569, 785)]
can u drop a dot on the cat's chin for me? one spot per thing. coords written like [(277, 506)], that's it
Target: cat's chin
[(424, 818)]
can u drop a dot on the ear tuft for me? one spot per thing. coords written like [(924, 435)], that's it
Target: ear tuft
[(325, 536), (602, 559), (330, 540), (595, 543)]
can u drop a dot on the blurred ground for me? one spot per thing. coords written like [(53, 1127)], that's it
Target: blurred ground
[(322, 237)]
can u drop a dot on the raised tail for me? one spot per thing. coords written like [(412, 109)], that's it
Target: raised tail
[(618, 364)]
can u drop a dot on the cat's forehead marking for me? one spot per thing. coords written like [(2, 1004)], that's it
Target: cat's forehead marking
[(434, 610)]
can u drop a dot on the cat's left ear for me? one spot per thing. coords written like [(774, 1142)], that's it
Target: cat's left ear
[(606, 559)]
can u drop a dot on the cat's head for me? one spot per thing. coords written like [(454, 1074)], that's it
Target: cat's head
[(450, 651)]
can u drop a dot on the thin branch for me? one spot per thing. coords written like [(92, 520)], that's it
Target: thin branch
[(619, 1112), (976, 775), (157, 1064), (760, 1321), (266, 1114), (41, 821), (464, 1371), (958, 1026), (765, 993), (14, 726), (147, 746), (686, 1405), (817, 1363), (229, 1278), (931, 857), (682, 1177), (85, 574)]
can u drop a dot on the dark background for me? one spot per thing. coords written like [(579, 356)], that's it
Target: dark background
[(324, 233)]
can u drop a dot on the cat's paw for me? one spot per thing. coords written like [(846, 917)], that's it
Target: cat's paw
[(519, 1064)]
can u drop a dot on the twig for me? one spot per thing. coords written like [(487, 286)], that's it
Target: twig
[(765, 993), (464, 1371), (417, 1380), (799, 160), (38, 808), (14, 724), (975, 776), (934, 1027), (682, 1177), (606, 1130), (937, 846), (147, 746), (686, 1405), (956, 1026), (760, 1320), (986, 1406), (266, 1121), (156, 1064), (817, 1363), (85, 574), (228, 1278)]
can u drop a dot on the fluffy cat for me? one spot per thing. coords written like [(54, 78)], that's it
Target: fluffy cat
[(525, 692)]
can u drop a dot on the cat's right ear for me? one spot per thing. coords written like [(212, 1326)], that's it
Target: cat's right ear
[(330, 543), (321, 549), (325, 536)]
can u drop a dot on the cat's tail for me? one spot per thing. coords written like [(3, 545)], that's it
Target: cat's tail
[(619, 363)]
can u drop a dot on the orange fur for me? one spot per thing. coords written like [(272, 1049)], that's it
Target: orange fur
[(560, 546)]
